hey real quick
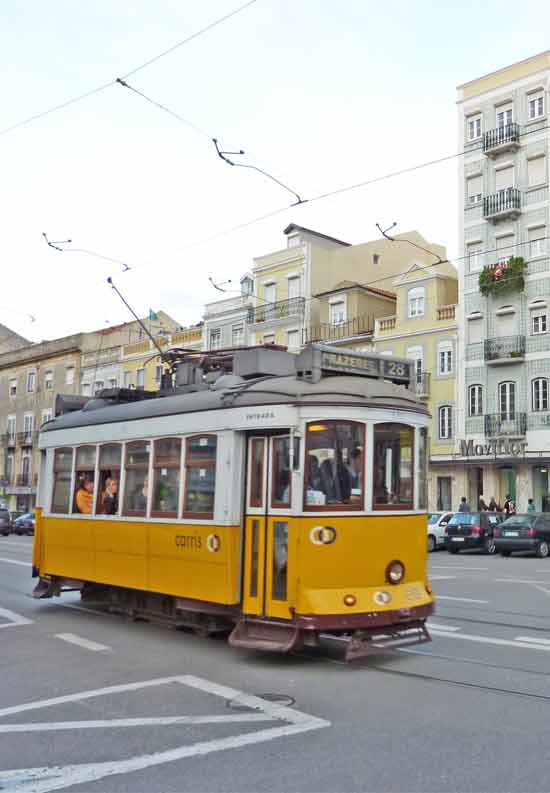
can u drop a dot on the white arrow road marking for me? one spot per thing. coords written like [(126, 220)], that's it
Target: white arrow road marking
[(14, 561), (460, 600), (14, 619), (44, 779), (72, 638)]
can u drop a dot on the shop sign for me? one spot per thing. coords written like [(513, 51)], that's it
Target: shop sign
[(498, 447)]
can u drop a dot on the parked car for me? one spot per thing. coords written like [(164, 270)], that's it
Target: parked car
[(472, 530), (24, 524), (437, 522), (530, 532), (5, 522)]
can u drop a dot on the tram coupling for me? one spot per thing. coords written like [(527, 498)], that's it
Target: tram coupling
[(365, 643)]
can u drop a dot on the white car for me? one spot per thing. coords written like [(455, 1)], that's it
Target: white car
[(437, 523)]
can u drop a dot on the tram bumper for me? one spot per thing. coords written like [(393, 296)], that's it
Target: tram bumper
[(364, 643)]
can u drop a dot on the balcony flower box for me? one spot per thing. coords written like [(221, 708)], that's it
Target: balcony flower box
[(504, 277)]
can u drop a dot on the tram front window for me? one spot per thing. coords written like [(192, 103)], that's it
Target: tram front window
[(335, 465), (393, 466)]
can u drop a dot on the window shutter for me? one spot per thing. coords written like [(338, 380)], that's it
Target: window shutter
[(536, 171), (504, 178), (475, 186), (475, 331)]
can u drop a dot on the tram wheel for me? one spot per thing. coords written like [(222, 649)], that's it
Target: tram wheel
[(431, 543), (543, 549)]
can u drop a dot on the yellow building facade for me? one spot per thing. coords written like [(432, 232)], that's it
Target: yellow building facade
[(141, 364)]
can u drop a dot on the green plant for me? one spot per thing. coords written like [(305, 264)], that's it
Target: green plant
[(503, 277)]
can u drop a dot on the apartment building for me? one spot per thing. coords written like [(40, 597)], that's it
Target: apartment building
[(424, 328), (503, 422), (226, 321), (140, 361)]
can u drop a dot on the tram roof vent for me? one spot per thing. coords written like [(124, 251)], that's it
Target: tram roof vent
[(263, 361)]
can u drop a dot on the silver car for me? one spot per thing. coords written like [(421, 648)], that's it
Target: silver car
[(437, 523)]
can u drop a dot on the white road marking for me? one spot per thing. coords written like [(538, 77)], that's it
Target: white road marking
[(72, 638), (535, 584), (16, 544), (37, 726), (455, 567), (14, 619), (532, 639), (437, 626), (14, 561), (442, 577), (87, 610), (491, 640), (461, 600), (44, 779)]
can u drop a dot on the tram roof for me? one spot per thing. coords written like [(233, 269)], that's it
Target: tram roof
[(227, 394)]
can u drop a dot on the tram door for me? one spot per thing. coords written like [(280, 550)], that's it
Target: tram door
[(268, 555)]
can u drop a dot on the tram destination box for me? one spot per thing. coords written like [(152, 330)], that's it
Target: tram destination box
[(318, 360)]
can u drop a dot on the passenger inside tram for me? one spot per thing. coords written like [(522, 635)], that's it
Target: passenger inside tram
[(84, 495), (110, 497), (335, 464)]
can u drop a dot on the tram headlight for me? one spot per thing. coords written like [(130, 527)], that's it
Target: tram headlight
[(395, 572)]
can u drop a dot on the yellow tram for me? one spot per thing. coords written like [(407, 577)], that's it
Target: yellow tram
[(273, 496)]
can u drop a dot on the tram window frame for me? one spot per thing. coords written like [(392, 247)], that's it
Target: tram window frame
[(82, 472), (102, 479), (276, 503), (135, 513), (257, 488), (357, 506), (397, 506), (54, 508), (158, 467), (202, 463)]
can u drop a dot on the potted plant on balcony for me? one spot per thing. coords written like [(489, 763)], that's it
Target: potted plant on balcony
[(503, 277)]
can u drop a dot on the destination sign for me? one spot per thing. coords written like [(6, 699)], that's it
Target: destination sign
[(370, 364)]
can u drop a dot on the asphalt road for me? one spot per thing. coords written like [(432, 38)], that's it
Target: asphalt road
[(91, 701)]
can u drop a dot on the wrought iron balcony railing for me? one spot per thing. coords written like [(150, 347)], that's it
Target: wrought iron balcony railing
[(423, 384), (8, 439), (505, 424), (280, 310), (500, 139), (505, 203), (505, 349), (342, 330), (27, 438)]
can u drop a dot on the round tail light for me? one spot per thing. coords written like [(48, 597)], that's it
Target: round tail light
[(395, 572)]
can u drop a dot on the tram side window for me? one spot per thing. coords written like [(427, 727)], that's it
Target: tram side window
[(110, 456), (166, 477), (200, 476), (393, 466), (335, 465), (83, 501), (62, 470), (136, 484), (281, 479)]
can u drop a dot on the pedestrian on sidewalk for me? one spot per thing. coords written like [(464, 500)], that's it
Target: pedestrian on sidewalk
[(464, 506), (509, 506), (531, 506), (493, 506)]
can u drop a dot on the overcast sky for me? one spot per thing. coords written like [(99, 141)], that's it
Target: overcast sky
[(321, 93)]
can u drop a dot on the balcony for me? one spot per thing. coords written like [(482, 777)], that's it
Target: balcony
[(509, 425), (357, 326), (385, 324), (27, 438), (271, 312), (23, 480), (423, 385), (502, 205), (446, 312), (8, 439), (506, 349), (497, 141)]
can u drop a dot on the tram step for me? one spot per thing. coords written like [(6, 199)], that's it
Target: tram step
[(363, 644), (264, 635)]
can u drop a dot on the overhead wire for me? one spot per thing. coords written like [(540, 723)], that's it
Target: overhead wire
[(144, 65)]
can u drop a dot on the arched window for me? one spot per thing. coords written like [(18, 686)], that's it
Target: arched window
[(445, 415), (540, 393), (416, 298), (507, 401), (475, 400)]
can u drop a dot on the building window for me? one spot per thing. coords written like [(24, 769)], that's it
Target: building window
[(474, 128), (475, 257), (48, 380), (86, 389), (504, 178), (11, 428), (445, 357), (539, 323), (113, 382), (338, 312), (140, 378), (158, 375), (475, 329), (416, 301), (13, 387), (237, 335), (444, 493), (31, 382), (293, 339), (475, 189), (247, 286), (540, 394), (537, 241), (504, 117), (536, 107), (26, 469), (416, 354), (28, 426), (294, 286), (507, 401), (376, 258), (475, 400), (215, 339), (127, 379), (445, 422), (200, 476), (69, 375), (47, 415), (269, 338), (10, 460), (536, 171), (270, 292)]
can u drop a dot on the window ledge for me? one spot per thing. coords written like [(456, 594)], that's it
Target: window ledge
[(533, 187), (537, 120)]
